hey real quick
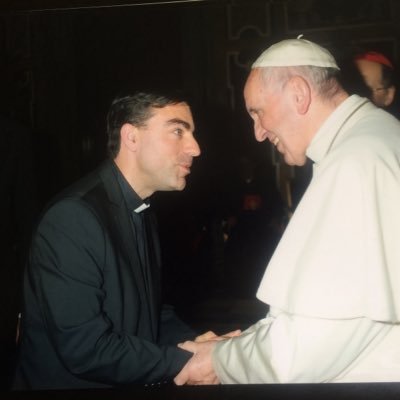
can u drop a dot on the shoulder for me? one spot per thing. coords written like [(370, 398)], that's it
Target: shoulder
[(89, 192), (82, 203), (374, 140), (70, 216)]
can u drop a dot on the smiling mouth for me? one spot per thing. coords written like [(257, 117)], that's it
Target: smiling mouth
[(275, 141)]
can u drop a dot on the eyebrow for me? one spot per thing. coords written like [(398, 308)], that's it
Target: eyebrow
[(179, 121)]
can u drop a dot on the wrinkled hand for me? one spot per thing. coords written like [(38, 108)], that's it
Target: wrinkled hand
[(209, 335), (199, 369)]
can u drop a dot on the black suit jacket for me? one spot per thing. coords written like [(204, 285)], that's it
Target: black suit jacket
[(92, 314)]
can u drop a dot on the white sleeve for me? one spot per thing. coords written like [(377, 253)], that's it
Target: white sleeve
[(286, 349)]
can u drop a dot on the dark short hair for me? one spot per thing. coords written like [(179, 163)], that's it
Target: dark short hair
[(135, 109)]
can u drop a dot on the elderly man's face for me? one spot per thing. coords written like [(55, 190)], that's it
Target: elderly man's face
[(275, 118), (372, 74)]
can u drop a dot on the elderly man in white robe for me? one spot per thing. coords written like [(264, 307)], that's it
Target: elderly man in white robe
[(333, 283)]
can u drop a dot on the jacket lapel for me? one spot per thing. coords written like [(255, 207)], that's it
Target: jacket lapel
[(122, 227)]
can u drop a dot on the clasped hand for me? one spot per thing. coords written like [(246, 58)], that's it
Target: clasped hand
[(199, 369)]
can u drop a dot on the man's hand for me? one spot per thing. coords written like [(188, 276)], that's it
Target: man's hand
[(199, 369), (204, 337)]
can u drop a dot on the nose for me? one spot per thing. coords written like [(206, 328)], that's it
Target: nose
[(192, 147), (259, 132)]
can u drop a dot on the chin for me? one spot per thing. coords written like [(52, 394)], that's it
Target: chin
[(180, 186), (293, 162), (290, 161)]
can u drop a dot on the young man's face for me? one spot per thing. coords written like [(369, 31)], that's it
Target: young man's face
[(165, 149)]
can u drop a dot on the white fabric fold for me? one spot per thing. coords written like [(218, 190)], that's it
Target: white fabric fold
[(339, 257)]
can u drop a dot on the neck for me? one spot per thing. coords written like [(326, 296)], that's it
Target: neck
[(130, 173), (322, 109)]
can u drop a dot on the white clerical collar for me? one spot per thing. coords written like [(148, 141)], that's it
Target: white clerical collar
[(142, 207)]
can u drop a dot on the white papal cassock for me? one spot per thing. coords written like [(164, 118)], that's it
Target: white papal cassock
[(333, 283)]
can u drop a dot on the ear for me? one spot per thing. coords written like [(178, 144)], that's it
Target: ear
[(129, 136), (391, 91), (301, 94)]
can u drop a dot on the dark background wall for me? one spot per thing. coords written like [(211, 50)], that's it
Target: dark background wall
[(62, 62)]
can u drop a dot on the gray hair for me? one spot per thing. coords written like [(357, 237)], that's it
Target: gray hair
[(323, 80)]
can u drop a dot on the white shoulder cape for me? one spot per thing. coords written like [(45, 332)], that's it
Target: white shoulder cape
[(340, 254)]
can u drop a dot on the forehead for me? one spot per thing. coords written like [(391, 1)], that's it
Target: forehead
[(253, 80), (171, 114), (254, 89)]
